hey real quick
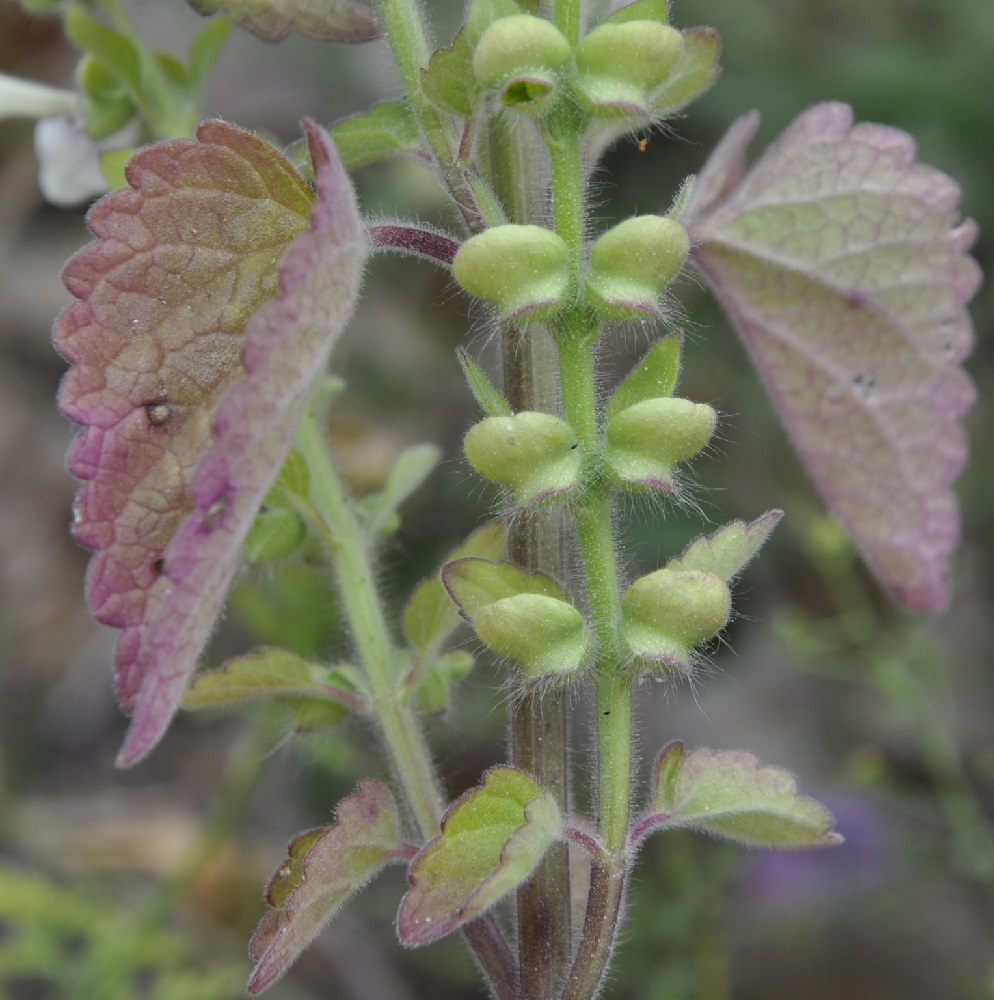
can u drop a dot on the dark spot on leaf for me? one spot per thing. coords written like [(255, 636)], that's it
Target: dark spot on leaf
[(159, 414), (864, 382)]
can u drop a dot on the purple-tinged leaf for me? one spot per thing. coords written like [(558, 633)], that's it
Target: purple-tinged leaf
[(182, 260), (843, 265), (492, 840), (726, 793), (287, 344), (325, 20), (323, 869)]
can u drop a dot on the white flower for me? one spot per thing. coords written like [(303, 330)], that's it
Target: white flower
[(69, 168), (26, 99)]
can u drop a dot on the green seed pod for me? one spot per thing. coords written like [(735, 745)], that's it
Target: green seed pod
[(632, 263), (647, 440), (619, 65), (521, 269), (535, 454), (521, 56), (545, 636), (667, 613)]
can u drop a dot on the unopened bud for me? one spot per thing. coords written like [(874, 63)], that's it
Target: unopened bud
[(536, 454), (545, 636), (647, 440), (619, 65), (521, 269), (667, 613), (632, 263)]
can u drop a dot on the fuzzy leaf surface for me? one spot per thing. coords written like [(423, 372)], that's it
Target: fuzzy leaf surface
[(286, 349), (473, 583), (271, 20), (842, 263), (182, 263), (492, 840), (728, 794), (269, 673), (323, 869), (729, 550), (387, 129), (182, 260), (430, 616)]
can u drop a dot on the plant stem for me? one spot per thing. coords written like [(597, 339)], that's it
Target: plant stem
[(592, 518), (538, 724), (405, 29), (351, 559)]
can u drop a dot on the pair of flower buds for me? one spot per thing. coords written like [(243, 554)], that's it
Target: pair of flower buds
[(528, 617), (620, 69)]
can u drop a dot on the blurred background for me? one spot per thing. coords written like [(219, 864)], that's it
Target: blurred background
[(147, 883)]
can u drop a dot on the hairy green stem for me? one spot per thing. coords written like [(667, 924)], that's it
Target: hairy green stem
[(351, 559), (576, 334), (406, 33)]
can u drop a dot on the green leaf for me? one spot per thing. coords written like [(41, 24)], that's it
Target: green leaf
[(433, 693), (729, 550), (430, 616), (275, 534), (655, 376), (206, 48), (449, 81), (728, 794), (492, 840), (272, 674), (473, 583), (486, 393), (642, 10), (389, 129), (117, 52), (695, 71), (293, 482), (412, 468), (108, 105), (323, 869)]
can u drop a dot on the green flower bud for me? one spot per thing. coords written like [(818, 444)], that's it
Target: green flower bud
[(667, 613), (521, 269), (275, 534), (632, 263), (521, 56), (545, 636), (536, 454), (645, 441), (621, 64)]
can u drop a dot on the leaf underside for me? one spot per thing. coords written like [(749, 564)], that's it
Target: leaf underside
[(728, 794), (271, 20), (163, 328), (843, 265), (323, 869)]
